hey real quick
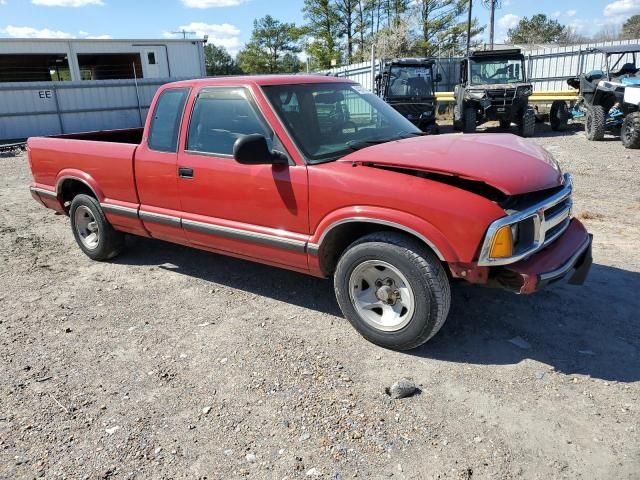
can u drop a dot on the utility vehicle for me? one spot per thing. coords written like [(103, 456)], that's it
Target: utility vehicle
[(493, 86), (609, 98), (407, 84)]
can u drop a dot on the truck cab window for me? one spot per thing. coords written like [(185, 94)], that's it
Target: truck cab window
[(220, 117), (165, 125)]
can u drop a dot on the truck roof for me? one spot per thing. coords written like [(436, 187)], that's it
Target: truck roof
[(260, 80)]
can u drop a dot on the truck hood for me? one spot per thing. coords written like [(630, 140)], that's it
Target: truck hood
[(501, 160)]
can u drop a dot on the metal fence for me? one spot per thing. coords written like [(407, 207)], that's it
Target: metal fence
[(547, 68), (51, 108)]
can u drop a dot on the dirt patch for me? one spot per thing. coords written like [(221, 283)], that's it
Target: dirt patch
[(174, 363)]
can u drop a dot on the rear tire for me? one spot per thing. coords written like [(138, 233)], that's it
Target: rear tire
[(469, 120), (630, 132), (407, 296), (594, 123), (528, 123), (93, 233), (559, 116)]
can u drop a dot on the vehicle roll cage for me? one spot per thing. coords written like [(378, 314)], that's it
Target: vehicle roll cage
[(621, 50)]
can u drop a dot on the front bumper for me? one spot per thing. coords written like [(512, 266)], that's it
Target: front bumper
[(567, 258)]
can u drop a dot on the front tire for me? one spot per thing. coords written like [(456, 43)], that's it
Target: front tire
[(594, 123), (630, 132), (528, 123), (470, 120), (393, 290), (93, 233)]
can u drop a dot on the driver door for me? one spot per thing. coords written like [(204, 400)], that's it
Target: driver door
[(252, 211)]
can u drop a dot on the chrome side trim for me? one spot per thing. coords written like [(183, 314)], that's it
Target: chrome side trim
[(542, 226), (237, 234), (313, 248), (568, 265), (159, 218), (119, 210), (43, 192)]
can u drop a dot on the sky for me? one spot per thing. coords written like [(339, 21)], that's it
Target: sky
[(228, 23)]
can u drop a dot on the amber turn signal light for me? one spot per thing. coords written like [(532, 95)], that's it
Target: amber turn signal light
[(502, 244)]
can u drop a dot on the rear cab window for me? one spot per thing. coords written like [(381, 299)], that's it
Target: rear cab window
[(167, 116)]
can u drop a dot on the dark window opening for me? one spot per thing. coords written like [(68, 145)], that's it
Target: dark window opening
[(151, 56), (110, 66), (165, 125), (34, 68), (221, 116)]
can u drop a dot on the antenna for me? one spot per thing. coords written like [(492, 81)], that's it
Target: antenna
[(184, 33), (492, 5)]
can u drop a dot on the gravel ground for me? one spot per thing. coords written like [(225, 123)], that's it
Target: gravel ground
[(175, 363)]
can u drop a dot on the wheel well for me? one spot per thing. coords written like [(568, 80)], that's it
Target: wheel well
[(70, 188), (341, 236)]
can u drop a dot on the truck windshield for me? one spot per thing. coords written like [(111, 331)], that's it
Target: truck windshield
[(410, 81), (493, 71), (329, 120)]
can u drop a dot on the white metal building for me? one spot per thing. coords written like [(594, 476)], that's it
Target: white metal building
[(52, 86), (87, 59)]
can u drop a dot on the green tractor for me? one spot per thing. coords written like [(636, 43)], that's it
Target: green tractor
[(608, 100)]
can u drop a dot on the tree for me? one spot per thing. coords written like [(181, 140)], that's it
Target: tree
[(631, 28), (218, 61), (538, 29), (322, 32), (440, 27), (394, 41), (270, 41), (346, 10)]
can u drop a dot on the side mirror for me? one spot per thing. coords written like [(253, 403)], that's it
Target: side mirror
[(253, 150), (438, 77)]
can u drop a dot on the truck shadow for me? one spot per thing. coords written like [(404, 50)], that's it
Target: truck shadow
[(590, 330)]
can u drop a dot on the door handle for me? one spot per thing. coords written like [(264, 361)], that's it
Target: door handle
[(185, 172)]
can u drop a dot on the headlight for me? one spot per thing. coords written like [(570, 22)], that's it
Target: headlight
[(525, 91), (475, 94)]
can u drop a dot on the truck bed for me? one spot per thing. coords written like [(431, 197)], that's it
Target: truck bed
[(126, 135), (103, 160)]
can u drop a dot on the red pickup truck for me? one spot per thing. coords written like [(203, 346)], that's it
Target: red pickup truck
[(316, 174)]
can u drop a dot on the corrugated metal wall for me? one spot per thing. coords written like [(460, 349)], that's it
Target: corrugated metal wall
[(547, 68), (51, 108)]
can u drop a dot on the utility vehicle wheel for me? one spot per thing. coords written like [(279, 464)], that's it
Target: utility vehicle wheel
[(393, 290), (558, 116), (528, 123), (431, 128), (594, 123), (94, 235), (457, 121), (505, 124), (630, 133), (469, 120)]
